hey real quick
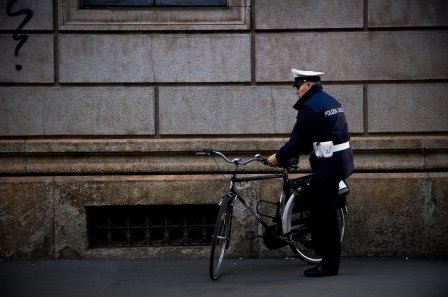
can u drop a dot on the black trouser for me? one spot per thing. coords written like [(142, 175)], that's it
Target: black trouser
[(324, 222)]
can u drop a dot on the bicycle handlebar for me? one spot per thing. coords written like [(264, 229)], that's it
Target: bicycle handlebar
[(236, 161)]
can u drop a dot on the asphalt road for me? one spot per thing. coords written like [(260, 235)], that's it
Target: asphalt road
[(240, 277)]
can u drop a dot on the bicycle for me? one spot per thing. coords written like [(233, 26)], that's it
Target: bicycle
[(291, 222)]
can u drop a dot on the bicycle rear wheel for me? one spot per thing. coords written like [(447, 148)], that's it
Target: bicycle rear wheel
[(221, 238), (301, 230)]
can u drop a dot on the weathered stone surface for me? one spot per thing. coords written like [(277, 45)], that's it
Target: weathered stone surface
[(154, 58), (235, 16), (437, 205), (175, 156), (407, 13), (353, 56), (242, 110), (394, 214), (12, 146), (387, 215), (167, 252), (390, 161), (207, 58), (288, 14), (105, 58), (223, 110), (408, 107), (76, 111), (35, 57), (42, 18), (26, 217), (10, 162)]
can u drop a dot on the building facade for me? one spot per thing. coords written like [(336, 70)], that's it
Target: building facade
[(102, 110)]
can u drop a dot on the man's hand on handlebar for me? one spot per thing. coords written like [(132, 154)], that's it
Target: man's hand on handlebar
[(272, 160), (289, 164)]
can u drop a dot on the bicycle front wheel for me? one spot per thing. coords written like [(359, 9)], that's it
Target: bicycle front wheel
[(221, 238), (302, 243)]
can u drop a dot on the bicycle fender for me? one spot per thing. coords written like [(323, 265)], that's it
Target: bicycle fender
[(282, 197), (287, 213)]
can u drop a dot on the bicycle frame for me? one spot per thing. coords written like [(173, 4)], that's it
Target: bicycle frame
[(234, 179)]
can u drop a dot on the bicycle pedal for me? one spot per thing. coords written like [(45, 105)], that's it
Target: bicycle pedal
[(308, 244)]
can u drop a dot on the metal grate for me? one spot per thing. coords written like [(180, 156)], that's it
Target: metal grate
[(154, 225), (151, 3)]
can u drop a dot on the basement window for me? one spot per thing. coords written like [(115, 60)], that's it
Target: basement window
[(153, 15), (151, 226), (151, 3)]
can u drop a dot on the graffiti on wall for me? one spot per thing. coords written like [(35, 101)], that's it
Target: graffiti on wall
[(18, 36)]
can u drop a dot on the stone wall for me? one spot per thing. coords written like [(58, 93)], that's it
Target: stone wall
[(108, 107)]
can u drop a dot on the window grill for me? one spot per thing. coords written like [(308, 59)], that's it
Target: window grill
[(150, 3), (154, 225)]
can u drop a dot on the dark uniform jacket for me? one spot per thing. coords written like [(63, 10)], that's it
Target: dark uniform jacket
[(320, 118)]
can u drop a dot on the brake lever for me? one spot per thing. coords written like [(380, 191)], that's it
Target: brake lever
[(261, 159), (237, 161)]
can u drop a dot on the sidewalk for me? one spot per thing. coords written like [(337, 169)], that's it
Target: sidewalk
[(240, 277)]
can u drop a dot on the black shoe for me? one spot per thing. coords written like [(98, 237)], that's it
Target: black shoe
[(319, 270)]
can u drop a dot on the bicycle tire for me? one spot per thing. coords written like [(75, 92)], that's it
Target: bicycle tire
[(298, 246), (221, 238)]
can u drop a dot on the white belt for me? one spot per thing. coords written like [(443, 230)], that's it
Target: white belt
[(327, 148), (341, 146)]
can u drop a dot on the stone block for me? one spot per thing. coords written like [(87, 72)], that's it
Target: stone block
[(12, 165), (34, 62), (288, 14), (26, 217), (12, 146), (387, 215), (390, 161), (76, 111), (220, 110), (154, 58), (351, 98), (353, 56), (407, 107), (41, 19), (407, 13), (436, 160), (241, 110), (208, 58), (105, 58)]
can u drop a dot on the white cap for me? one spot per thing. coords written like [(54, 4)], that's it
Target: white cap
[(300, 73), (301, 76)]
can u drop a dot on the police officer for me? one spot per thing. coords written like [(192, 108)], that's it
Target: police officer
[(321, 128)]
